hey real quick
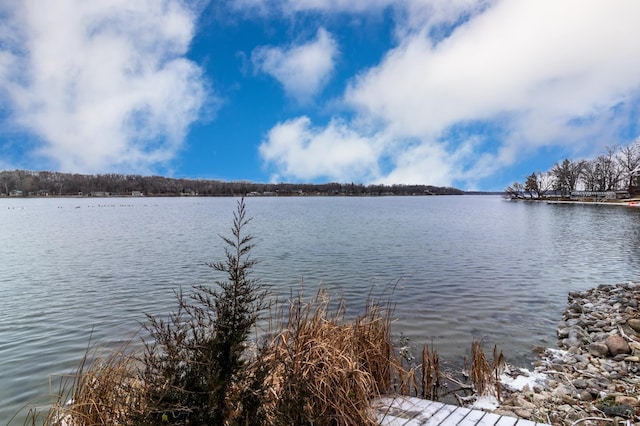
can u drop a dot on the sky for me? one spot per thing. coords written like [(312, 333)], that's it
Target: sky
[(474, 94)]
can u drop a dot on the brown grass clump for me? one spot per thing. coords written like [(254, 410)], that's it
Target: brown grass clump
[(318, 369), (104, 391), (430, 380), (325, 370), (485, 375)]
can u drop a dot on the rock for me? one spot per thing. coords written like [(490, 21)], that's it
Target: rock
[(634, 323), (625, 411), (598, 349), (523, 413), (585, 396), (579, 383), (582, 358), (617, 345), (523, 403), (576, 307), (561, 391), (627, 400), (571, 342), (596, 363)]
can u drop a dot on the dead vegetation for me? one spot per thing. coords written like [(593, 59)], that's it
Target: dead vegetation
[(485, 375), (325, 370), (318, 369)]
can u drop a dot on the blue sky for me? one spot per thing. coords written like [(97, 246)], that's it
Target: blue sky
[(474, 94)]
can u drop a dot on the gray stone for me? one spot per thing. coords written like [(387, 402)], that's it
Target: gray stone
[(579, 383), (575, 307), (571, 342), (581, 358), (620, 357), (585, 396), (598, 349)]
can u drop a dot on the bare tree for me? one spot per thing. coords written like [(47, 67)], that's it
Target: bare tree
[(515, 190), (628, 160)]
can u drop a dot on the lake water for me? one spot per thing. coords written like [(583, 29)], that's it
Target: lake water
[(462, 268)]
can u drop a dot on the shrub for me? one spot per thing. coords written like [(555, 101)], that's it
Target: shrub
[(194, 359)]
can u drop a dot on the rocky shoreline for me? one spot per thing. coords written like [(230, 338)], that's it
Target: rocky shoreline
[(592, 379)]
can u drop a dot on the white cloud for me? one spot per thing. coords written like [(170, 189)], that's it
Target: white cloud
[(303, 69), (296, 6), (545, 73), (301, 151), (104, 85), (518, 56), (410, 15)]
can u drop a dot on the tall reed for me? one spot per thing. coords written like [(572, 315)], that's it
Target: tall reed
[(485, 375)]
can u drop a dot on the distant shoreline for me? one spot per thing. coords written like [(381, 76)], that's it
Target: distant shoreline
[(627, 202), (84, 196)]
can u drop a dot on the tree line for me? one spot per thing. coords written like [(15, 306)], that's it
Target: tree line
[(33, 183), (616, 169)]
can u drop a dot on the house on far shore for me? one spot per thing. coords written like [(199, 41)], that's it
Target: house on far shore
[(599, 195), (137, 194), (15, 193)]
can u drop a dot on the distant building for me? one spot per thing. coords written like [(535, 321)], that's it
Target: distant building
[(15, 193), (600, 195)]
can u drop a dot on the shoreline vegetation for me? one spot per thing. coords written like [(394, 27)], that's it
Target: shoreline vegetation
[(25, 183), (623, 202), (314, 363)]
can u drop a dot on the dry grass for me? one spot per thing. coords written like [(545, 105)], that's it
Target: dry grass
[(318, 369), (103, 391), (485, 375), (325, 370), (430, 378)]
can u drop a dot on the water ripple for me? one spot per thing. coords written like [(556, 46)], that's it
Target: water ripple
[(458, 268)]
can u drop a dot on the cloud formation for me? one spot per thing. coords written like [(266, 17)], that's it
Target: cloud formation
[(301, 151), (103, 85), (302, 69), (540, 74)]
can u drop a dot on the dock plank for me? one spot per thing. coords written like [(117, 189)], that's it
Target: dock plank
[(441, 415), (506, 421), (458, 415), (472, 418), (411, 411)]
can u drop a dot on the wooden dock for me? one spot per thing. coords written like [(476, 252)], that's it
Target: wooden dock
[(410, 411)]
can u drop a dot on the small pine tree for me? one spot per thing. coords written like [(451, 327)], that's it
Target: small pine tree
[(193, 360)]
